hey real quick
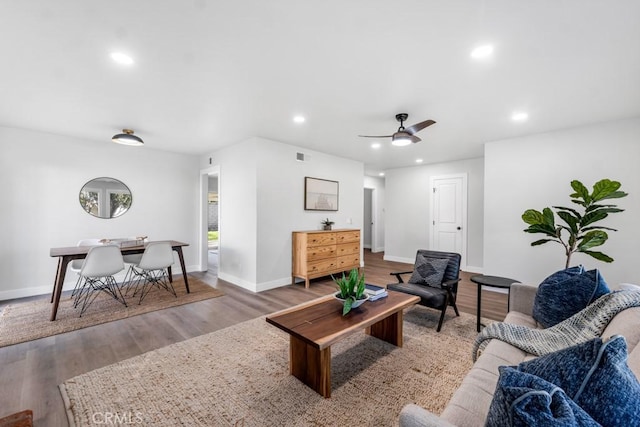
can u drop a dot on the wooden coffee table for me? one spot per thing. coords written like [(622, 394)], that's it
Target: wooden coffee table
[(316, 325)]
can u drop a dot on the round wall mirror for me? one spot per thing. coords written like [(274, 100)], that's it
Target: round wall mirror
[(105, 197)]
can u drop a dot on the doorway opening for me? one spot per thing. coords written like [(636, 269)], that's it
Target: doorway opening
[(367, 222), (213, 224), (211, 238)]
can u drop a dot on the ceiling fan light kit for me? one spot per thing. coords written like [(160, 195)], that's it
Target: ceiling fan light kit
[(127, 138), (404, 137), (400, 141)]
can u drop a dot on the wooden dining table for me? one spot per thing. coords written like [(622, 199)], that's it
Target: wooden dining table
[(67, 254)]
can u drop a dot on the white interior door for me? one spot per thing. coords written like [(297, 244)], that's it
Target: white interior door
[(449, 214)]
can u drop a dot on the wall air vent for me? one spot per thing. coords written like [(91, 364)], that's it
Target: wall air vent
[(300, 157)]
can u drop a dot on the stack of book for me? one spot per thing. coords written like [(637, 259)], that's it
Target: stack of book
[(375, 292)]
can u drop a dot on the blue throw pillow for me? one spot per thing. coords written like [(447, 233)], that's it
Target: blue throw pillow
[(565, 293), (523, 399), (595, 375), (562, 275)]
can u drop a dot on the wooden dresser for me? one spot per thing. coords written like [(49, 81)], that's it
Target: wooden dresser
[(321, 253)]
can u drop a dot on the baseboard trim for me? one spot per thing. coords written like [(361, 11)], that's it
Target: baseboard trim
[(254, 287), (70, 283), (272, 284), (244, 284), (473, 269), (398, 259)]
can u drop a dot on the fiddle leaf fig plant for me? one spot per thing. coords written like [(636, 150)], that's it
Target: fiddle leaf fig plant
[(578, 231), (351, 289)]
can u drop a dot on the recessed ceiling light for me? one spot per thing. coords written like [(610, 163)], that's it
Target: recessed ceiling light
[(482, 51), (381, 174), (299, 119), (419, 160), (122, 58), (519, 116), (376, 145)]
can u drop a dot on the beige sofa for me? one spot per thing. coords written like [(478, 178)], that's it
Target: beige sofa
[(470, 403)]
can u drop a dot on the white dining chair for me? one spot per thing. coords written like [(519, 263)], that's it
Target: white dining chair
[(130, 261), (97, 272), (76, 264), (152, 269)]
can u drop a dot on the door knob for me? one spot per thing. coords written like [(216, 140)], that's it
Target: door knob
[(459, 228)]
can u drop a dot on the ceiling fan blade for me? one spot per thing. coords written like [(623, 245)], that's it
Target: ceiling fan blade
[(419, 126), (414, 139), (374, 136)]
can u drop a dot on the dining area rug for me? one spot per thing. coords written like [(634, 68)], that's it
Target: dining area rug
[(239, 376), (29, 320)]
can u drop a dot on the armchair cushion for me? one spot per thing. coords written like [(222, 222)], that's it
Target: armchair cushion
[(429, 271), (429, 296)]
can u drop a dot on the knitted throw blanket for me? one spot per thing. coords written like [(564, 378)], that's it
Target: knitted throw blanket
[(581, 327)]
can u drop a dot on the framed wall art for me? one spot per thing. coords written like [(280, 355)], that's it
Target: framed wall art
[(320, 194)]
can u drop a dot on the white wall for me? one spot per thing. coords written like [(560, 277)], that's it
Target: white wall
[(237, 187), (378, 187), (42, 176), (262, 202), (408, 199), (535, 172)]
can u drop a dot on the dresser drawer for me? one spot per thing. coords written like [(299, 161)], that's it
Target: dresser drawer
[(328, 265), (349, 261), (320, 239), (348, 249), (321, 252), (348, 237)]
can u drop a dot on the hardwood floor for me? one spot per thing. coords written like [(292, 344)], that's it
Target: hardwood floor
[(31, 371)]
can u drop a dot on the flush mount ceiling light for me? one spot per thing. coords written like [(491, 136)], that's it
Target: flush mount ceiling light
[(376, 145), (419, 160), (299, 119), (481, 52), (381, 174), (127, 138), (519, 116), (122, 58)]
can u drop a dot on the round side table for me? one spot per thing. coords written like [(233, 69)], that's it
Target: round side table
[(493, 281)]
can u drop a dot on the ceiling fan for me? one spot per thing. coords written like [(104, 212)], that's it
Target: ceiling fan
[(404, 136)]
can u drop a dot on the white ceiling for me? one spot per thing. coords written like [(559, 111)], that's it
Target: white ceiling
[(211, 73)]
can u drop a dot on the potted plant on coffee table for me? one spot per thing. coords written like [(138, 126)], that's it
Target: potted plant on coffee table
[(351, 291)]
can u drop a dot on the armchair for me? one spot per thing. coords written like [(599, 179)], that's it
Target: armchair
[(434, 279)]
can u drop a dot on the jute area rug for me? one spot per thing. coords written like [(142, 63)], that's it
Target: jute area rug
[(239, 376), (28, 321)]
